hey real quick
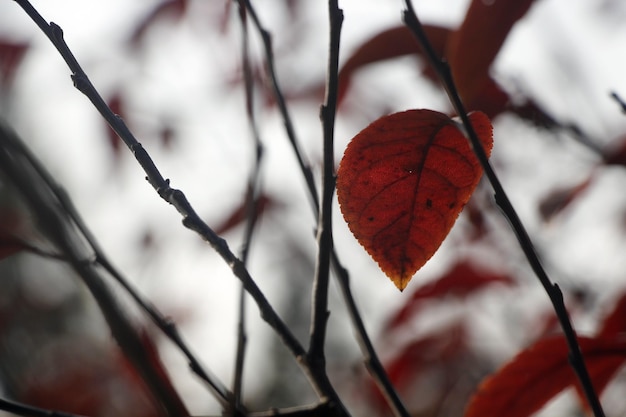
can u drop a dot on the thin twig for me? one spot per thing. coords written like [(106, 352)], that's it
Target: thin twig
[(164, 324), (321, 409), (619, 100), (501, 198), (169, 329), (319, 315), (372, 362), (252, 203), (371, 359), (25, 246), (305, 166), (173, 196), (177, 198), (24, 410)]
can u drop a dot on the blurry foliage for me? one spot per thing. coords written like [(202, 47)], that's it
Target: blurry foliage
[(439, 340)]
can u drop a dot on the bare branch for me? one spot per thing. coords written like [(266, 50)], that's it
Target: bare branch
[(319, 316), (175, 197), (373, 364)]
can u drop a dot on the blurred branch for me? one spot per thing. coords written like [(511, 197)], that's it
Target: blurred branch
[(372, 362), (20, 409), (176, 197), (619, 100), (305, 166), (24, 245), (252, 202), (553, 290), (23, 171), (163, 323), (168, 327), (322, 409), (316, 354)]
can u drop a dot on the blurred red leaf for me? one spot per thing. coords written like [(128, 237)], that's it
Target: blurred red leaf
[(559, 199), (11, 225), (547, 324), (615, 322), (152, 354), (418, 355), (616, 155), (391, 43), (167, 135), (460, 281), (492, 100), (80, 376), (542, 371), (402, 183), (61, 394), (264, 203), (117, 107), (477, 220), (11, 54), (10, 246), (168, 8), (472, 48)]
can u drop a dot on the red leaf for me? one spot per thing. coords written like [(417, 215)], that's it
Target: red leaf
[(402, 183), (11, 54), (472, 48), (540, 372), (558, 200), (460, 281)]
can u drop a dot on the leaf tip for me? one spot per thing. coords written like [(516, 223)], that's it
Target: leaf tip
[(401, 283)]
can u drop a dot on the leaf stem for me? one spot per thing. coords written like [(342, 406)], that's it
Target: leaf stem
[(501, 198)]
